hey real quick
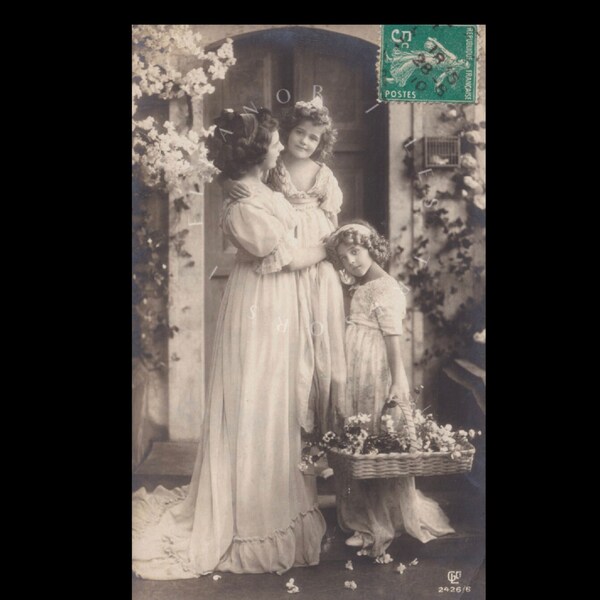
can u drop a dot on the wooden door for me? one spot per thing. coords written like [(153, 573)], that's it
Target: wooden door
[(342, 69), (275, 69)]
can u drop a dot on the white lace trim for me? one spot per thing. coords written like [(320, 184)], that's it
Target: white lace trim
[(305, 205), (279, 258), (372, 291)]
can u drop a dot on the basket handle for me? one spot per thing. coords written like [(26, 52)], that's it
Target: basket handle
[(405, 404)]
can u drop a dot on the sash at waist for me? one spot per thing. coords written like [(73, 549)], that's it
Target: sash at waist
[(363, 322), (304, 204)]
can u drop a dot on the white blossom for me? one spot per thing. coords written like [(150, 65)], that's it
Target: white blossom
[(468, 161), (470, 182), (384, 559), (473, 137), (173, 158), (479, 336), (147, 124), (226, 50), (388, 422), (329, 436)]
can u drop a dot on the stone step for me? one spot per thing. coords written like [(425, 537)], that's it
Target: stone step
[(169, 458)]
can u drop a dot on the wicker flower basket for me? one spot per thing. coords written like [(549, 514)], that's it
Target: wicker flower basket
[(398, 464)]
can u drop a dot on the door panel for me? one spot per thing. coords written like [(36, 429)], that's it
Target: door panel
[(349, 172), (296, 60)]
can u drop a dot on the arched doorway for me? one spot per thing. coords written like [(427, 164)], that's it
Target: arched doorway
[(275, 69)]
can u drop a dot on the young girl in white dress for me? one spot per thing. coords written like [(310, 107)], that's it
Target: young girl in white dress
[(309, 185), (248, 508), (377, 510)]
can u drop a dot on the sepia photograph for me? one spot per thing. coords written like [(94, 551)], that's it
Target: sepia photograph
[(308, 311)]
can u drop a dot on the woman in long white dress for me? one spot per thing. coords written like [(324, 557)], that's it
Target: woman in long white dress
[(248, 508)]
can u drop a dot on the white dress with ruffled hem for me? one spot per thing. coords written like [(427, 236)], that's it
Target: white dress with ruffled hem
[(380, 509), (248, 508)]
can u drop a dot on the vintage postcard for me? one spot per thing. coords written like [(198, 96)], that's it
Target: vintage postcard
[(309, 276)]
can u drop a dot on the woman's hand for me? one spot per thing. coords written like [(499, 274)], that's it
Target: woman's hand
[(235, 189), (306, 257)]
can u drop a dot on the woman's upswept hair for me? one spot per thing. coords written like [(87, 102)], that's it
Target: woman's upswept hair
[(240, 140), (317, 114), (376, 244)]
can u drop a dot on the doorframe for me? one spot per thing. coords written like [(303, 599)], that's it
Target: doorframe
[(187, 378)]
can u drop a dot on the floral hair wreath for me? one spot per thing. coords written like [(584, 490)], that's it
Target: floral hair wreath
[(313, 110), (315, 103), (357, 233)]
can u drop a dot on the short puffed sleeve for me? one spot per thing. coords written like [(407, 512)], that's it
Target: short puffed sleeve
[(331, 203), (389, 308)]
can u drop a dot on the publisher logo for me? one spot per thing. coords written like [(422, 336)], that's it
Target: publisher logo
[(454, 576)]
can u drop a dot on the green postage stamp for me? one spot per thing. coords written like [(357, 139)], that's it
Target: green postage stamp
[(428, 63)]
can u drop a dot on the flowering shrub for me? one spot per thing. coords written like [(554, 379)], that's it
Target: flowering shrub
[(164, 154), (169, 158)]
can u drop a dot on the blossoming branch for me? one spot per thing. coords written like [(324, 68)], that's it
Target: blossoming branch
[(165, 155)]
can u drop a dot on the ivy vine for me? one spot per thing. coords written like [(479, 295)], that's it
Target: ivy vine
[(442, 262)]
